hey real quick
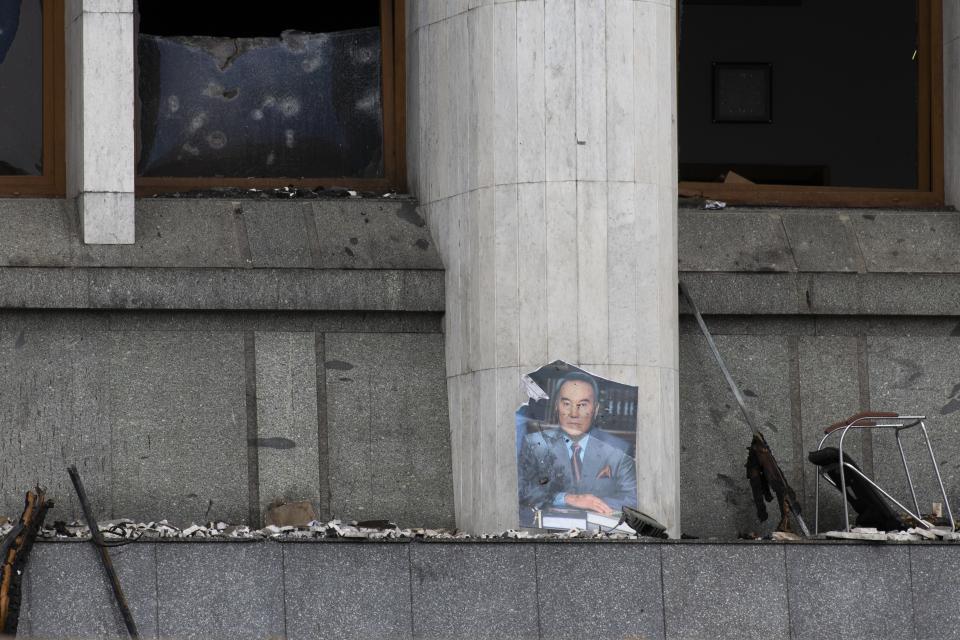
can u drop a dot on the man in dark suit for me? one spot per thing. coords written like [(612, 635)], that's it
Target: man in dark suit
[(570, 467)]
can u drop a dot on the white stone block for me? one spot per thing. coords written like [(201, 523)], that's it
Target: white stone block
[(646, 243), (665, 91), (436, 10), (456, 7), (646, 138), (531, 116), (532, 275), (470, 279), (456, 450), (667, 276), (106, 218), (490, 482), (470, 445), (506, 261), (658, 469), (447, 107), (562, 281), (593, 298), (460, 103), (484, 327), (75, 7), (622, 268), (560, 107), (508, 399), (505, 94), (107, 77), (620, 86), (591, 90), (428, 111), (453, 318), (486, 477), (482, 94)]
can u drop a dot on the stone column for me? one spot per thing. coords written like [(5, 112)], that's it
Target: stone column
[(542, 147), (951, 101), (100, 119)]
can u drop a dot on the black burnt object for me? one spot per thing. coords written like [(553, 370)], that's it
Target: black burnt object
[(643, 524), (872, 510), (763, 471), (298, 105), (14, 551)]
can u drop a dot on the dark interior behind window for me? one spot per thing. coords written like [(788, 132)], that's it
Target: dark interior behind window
[(21, 88), (843, 94)]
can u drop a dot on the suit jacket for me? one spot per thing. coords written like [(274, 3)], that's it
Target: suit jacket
[(544, 470)]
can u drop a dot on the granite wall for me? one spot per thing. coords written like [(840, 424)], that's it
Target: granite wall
[(819, 314), (244, 350), (241, 351), (558, 589)]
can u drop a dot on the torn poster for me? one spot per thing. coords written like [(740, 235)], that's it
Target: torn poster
[(575, 443)]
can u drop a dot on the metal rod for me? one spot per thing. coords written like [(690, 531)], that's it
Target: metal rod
[(716, 354), (736, 394), (906, 470), (104, 555), (843, 482), (816, 508), (915, 516), (936, 468)]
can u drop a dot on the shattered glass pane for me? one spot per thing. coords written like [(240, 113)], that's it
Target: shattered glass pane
[(301, 105), (21, 88)]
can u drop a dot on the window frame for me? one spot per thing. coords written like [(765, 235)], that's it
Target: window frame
[(53, 180), (930, 178), (392, 86)]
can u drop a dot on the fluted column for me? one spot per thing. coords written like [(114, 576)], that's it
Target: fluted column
[(542, 148)]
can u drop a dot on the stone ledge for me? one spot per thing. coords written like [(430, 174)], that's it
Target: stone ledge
[(221, 289), (329, 233), (888, 294), (496, 589), (819, 240)]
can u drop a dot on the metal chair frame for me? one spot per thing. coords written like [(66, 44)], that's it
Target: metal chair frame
[(898, 424)]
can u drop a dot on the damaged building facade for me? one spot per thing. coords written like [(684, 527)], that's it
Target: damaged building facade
[(308, 255)]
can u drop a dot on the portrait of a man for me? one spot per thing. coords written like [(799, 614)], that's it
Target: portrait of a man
[(566, 461)]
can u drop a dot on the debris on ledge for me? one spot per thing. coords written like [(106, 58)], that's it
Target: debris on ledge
[(125, 529)]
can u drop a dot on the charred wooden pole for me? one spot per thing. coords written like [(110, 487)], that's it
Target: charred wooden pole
[(14, 552), (104, 555)]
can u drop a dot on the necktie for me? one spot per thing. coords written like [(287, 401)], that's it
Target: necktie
[(575, 462)]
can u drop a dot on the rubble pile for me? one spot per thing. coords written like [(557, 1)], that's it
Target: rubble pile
[(128, 530), (914, 534), (125, 529)]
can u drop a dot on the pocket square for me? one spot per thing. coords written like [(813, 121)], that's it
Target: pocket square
[(606, 472)]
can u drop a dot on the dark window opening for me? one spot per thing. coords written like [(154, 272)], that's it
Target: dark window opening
[(21, 88), (228, 92), (830, 95)]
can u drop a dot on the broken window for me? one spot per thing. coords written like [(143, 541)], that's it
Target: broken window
[(21, 87), (290, 93), (811, 94)]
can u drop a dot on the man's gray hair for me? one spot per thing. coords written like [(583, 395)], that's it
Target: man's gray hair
[(578, 376)]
